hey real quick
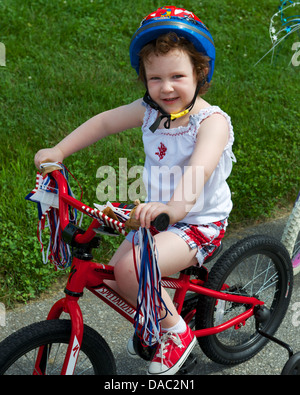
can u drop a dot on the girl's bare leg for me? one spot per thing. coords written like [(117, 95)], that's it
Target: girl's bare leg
[(173, 255)]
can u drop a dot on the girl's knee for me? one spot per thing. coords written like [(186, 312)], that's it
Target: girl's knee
[(125, 273)]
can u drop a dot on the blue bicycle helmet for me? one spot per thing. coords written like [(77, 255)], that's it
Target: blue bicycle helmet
[(178, 20)]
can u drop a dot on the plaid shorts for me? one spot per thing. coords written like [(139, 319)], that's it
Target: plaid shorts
[(206, 238)]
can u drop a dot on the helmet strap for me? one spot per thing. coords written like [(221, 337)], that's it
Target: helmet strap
[(170, 117)]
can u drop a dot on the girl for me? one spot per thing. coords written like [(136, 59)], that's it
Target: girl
[(188, 141)]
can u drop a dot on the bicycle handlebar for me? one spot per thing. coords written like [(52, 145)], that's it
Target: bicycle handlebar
[(49, 168), (161, 222)]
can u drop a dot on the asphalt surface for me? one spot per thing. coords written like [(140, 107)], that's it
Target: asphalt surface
[(117, 331)]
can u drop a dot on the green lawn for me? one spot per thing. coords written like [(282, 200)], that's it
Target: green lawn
[(68, 60)]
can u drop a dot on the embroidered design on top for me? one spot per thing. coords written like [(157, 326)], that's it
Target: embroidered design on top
[(162, 149)]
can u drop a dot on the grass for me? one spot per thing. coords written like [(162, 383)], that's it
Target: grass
[(68, 60)]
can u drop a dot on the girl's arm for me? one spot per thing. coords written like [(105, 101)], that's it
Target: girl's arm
[(212, 138), (96, 128)]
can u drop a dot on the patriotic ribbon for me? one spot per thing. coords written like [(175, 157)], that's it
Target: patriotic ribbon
[(150, 304)]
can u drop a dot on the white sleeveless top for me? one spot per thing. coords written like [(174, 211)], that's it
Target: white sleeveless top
[(168, 151)]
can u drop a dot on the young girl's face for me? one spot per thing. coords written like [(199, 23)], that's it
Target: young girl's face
[(171, 80)]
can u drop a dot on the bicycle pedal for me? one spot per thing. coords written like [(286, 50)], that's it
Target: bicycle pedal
[(189, 364)]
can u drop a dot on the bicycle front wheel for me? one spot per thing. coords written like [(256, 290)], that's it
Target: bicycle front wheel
[(257, 266), (291, 236), (18, 352)]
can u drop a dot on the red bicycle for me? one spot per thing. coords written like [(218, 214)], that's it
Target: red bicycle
[(234, 310)]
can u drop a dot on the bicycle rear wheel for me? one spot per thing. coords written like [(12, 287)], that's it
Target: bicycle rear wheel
[(291, 236), (257, 266), (18, 351)]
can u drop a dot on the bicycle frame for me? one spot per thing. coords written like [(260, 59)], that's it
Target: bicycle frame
[(91, 275)]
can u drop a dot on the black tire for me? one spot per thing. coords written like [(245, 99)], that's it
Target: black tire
[(257, 266), (18, 351), (292, 367)]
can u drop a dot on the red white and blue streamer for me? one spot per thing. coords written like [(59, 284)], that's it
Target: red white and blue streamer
[(151, 308), (45, 194)]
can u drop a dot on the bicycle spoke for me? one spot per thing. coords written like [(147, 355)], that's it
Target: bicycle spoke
[(57, 369), (261, 282), (78, 367)]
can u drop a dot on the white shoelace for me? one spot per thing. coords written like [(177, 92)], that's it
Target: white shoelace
[(165, 342)]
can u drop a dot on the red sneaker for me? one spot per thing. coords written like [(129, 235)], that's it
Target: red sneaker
[(172, 352)]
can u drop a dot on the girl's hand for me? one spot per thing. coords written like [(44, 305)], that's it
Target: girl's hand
[(147, 212), (48, 155)]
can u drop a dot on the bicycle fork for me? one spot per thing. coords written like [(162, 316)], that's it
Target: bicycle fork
[(68, 305), (79, 278)]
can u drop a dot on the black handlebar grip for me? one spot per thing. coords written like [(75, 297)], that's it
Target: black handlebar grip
[(161, 222)]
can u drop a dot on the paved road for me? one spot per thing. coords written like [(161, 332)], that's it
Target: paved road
[(116, 330)]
